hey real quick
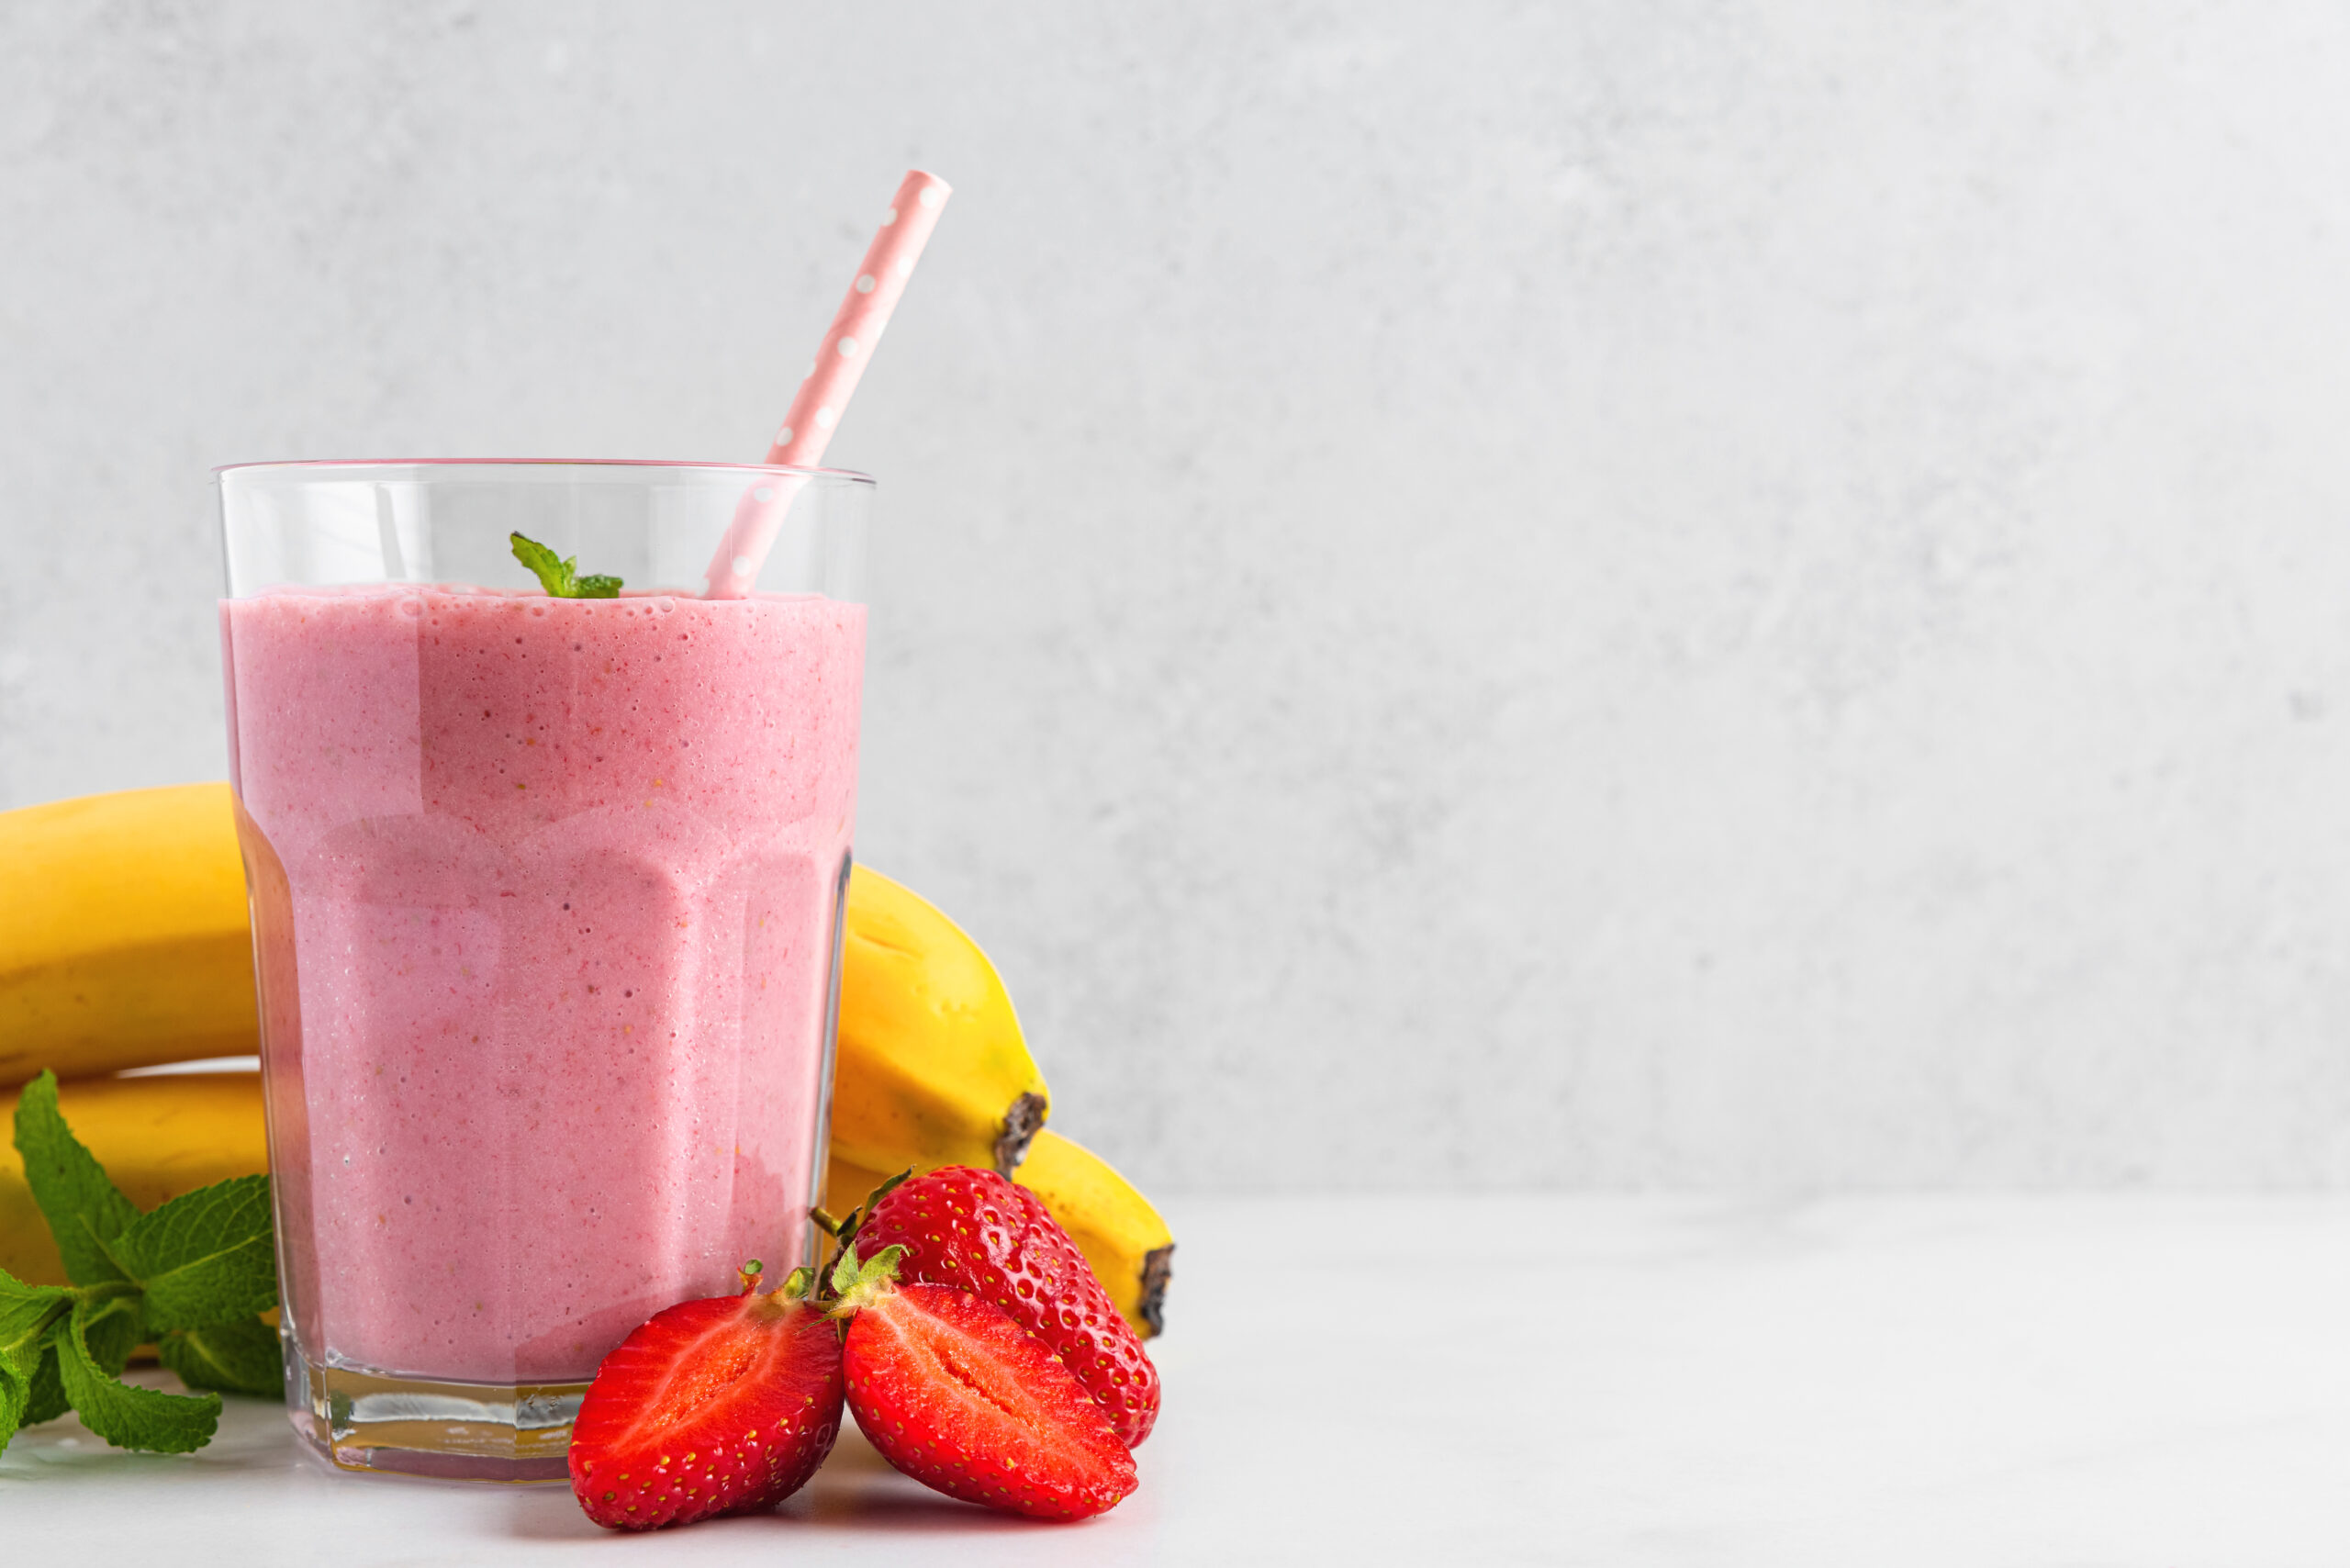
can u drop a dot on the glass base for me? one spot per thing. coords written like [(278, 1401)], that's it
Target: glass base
[(451, 1431)]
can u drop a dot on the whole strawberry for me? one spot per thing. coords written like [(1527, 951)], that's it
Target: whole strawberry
[(976, 1231), (965, 1401), (716, 1406)]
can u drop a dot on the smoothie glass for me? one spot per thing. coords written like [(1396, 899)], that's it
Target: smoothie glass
[(546, 902)]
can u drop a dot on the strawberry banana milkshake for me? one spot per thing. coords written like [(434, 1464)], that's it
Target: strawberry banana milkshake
[(546, 896)]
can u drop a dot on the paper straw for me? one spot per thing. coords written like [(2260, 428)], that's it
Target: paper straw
[(816, 410)]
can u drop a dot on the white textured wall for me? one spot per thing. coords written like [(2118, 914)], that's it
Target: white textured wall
[(1617, 594)]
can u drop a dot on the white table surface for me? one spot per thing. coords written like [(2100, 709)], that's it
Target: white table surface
[(1889, 1383)]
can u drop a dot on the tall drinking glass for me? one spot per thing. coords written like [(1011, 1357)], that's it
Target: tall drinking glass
[(546, 903)]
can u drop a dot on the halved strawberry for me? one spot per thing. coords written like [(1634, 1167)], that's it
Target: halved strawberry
[(968, 1403), (716, 1406), (976, 1231)]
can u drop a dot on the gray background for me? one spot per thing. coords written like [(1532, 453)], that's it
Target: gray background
[(1622, 595)]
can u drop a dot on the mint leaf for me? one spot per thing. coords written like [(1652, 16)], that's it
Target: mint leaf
[(126, 1416), (554, 574), (84, 1210), (244, 1357), (560, 575), (47, 1402), (205, 1257), (111, 1323), (28, 1315)]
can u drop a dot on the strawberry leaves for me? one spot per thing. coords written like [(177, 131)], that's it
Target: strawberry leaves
[(844, 1233), (855, 1284), (192, 1273)]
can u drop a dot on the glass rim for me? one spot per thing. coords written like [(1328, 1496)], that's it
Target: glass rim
[(304, 464)]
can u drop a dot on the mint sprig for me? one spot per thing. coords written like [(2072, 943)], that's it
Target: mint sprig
[(560, 575), (83, 1209), (205, 1258), (192, 1275)]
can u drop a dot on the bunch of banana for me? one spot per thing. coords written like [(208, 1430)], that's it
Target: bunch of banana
[(124, 942)]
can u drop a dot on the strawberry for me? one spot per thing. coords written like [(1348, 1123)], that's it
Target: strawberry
[(976, 1231), (957, 1395), (716, 1406)]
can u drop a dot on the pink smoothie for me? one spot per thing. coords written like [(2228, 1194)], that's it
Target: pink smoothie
[(546, 893)]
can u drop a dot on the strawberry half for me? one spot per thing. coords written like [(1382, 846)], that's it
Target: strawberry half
[(716, 1406), (965, 1401), (976, 1231)]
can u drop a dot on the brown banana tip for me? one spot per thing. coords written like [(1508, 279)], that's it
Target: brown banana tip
[(1157, 1269), (1021, 1125)]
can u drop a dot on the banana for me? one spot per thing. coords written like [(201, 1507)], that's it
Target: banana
[(123, 938), (130, 947), (930, 1069), (1116, 1227), (156, 1136)]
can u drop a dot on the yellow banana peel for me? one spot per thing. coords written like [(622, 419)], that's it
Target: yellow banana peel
[(930, 1067), (123, 933)]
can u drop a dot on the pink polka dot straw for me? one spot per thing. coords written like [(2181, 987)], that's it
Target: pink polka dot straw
[(816, 410)]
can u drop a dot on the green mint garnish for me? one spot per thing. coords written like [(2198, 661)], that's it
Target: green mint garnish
[(560, 575), (84, 1210), (239, 1357), (28, 1315), (194, 1274), (204, 1258), (126, 1416)]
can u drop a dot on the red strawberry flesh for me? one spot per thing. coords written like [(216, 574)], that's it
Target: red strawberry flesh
[(716, 1406), (963, 1399), (976, 1231)]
